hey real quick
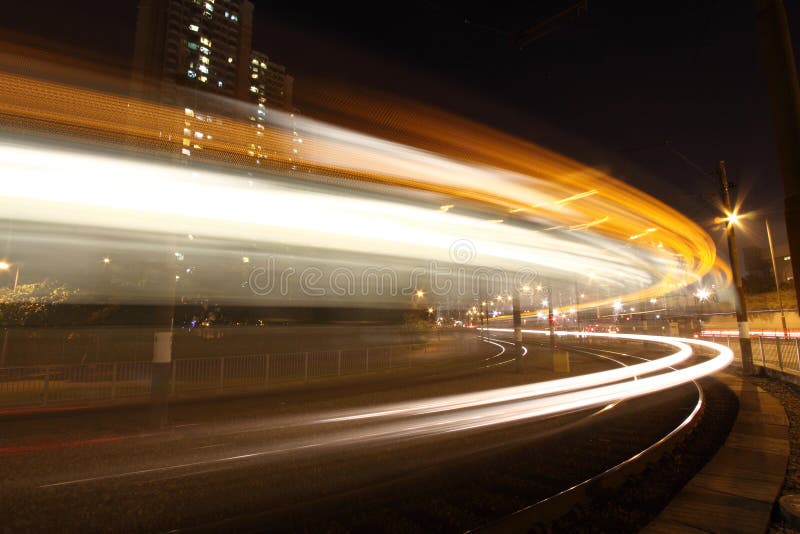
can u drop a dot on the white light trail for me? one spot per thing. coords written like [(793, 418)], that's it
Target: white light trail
[(62, 187), (456, 413)]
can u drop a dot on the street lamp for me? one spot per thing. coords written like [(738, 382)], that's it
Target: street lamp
[(5, 266), (741, 305), (777, 281)]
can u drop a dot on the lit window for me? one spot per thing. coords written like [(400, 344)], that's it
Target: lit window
[(187, 131), (193, 46), (254, 62), (204, 59), (219, 84), (199, 135), (254, 75), (227, 15), (203, 79), (194, 27), (263, 65), (230, 60), (186, 152), (209, 7), (189, 112), (253, 89), (191, 74), (205, 41), (205, 50), (234, 18), (186, 142), (203, 69)]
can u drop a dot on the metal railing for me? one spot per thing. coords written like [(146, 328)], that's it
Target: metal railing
[(771, 352), (113, 381)]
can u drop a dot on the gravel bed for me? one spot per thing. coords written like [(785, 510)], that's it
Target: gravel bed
[(642, 497)]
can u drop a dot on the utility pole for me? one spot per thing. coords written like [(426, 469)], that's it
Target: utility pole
[(164, 317), (551, 320), (784, 96), (517, 331), (777, 280), (741, 305)]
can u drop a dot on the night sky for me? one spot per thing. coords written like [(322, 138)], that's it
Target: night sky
[(630, 87)]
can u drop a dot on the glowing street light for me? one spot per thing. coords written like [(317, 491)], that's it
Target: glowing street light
[(420, 293), (741, 304), (5, 266), (702, 294)]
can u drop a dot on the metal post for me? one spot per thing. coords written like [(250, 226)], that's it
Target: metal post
[(390, 356), (305, 368), (114, 381), (777, 281), (761, 348), (551, 321), (173, 381), (367, 353), (266, 371), (46, 389), (339, 362), (780, 356), (221, 373), (741, 304), (797, 352), (517, 331)]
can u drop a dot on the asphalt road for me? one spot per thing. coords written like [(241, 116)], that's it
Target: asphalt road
[(289, 460)]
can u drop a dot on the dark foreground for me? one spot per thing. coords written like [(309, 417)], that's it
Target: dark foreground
[(276, 462)]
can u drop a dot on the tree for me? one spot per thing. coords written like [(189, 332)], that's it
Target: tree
[(29, 303)]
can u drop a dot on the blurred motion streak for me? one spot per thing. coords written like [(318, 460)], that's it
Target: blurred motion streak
[(185, 171)]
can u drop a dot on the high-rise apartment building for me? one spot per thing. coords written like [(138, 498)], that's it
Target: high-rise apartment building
[(197, 55), (269, 83), (195, 44)]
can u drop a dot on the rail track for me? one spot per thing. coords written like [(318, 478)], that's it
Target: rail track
[(560, 472)]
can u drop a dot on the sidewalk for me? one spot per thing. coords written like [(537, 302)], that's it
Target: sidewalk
[(736, 490)]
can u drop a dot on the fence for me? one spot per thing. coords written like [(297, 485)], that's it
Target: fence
[(770, 352), (113, 381), (25, 346)]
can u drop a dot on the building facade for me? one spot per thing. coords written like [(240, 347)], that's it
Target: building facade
[(196, 44), (197, 55)]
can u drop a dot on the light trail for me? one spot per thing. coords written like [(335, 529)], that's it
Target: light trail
[(559, 217), (540, 389), (458, 413)]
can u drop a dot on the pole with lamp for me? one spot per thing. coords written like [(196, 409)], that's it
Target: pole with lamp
[(777, 280), (741, 306)]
